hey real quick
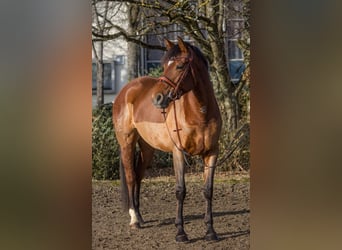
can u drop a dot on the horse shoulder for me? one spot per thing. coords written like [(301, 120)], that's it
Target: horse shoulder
[(123, 105)]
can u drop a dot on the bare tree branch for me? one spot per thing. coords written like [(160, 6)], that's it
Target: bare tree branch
[(205, 21), (128, 38)]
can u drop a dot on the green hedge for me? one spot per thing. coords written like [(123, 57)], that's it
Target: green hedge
[(105, 148), (106, 152)]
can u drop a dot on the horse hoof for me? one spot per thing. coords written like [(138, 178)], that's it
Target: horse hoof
[(140, 219), (182, 238), (135, 225), (211, 237)]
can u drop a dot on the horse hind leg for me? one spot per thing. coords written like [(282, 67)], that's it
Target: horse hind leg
[(136, 197), (128, 178), (142, 160)]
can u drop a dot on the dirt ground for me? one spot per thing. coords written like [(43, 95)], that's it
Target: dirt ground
[(110, 224)]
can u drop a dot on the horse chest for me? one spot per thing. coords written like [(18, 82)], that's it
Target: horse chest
[(196, 140)]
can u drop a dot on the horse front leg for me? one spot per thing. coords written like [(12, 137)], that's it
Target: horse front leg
[(209, 169), (178, 164)]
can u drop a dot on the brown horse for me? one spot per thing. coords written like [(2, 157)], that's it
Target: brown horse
[(175, 113)]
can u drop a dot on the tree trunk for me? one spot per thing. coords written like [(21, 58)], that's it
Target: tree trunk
[(224, 88), (132, 60), (98, 51), (219, 68), (99, 76)]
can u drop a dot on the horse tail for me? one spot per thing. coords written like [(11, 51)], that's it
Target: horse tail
[(124, 188)]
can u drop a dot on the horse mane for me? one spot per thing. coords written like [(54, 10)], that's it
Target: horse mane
[(174, 51)]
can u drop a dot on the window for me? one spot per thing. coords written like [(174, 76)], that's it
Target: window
[(151, 65), (235, 55), (152, 57), (234, 52), (108, 74)]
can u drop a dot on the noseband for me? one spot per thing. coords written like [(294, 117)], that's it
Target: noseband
[(176, 92)]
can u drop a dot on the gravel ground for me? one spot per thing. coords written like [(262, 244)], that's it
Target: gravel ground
[(110, 224)]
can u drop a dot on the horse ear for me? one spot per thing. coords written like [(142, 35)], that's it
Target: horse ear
[(182, 45), (168, 44)]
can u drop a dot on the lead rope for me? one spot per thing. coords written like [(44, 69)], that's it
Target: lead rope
[(180, 148), (173, 97), (239, 136)]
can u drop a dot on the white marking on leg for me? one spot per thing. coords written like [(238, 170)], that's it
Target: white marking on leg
[(134, 218)]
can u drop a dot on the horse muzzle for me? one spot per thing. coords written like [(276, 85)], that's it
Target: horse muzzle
[(161, 101)]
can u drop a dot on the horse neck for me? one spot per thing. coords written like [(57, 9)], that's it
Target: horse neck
[(199, 102), (203, 89)]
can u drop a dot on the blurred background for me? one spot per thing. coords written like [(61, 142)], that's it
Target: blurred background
[(46, 114)]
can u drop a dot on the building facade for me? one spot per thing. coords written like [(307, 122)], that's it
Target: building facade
[(116, 61)]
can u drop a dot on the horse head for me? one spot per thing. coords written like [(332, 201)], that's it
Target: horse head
[(177, 76)]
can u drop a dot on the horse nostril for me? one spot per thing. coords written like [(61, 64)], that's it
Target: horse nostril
[(160, 101), (159, 98)]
